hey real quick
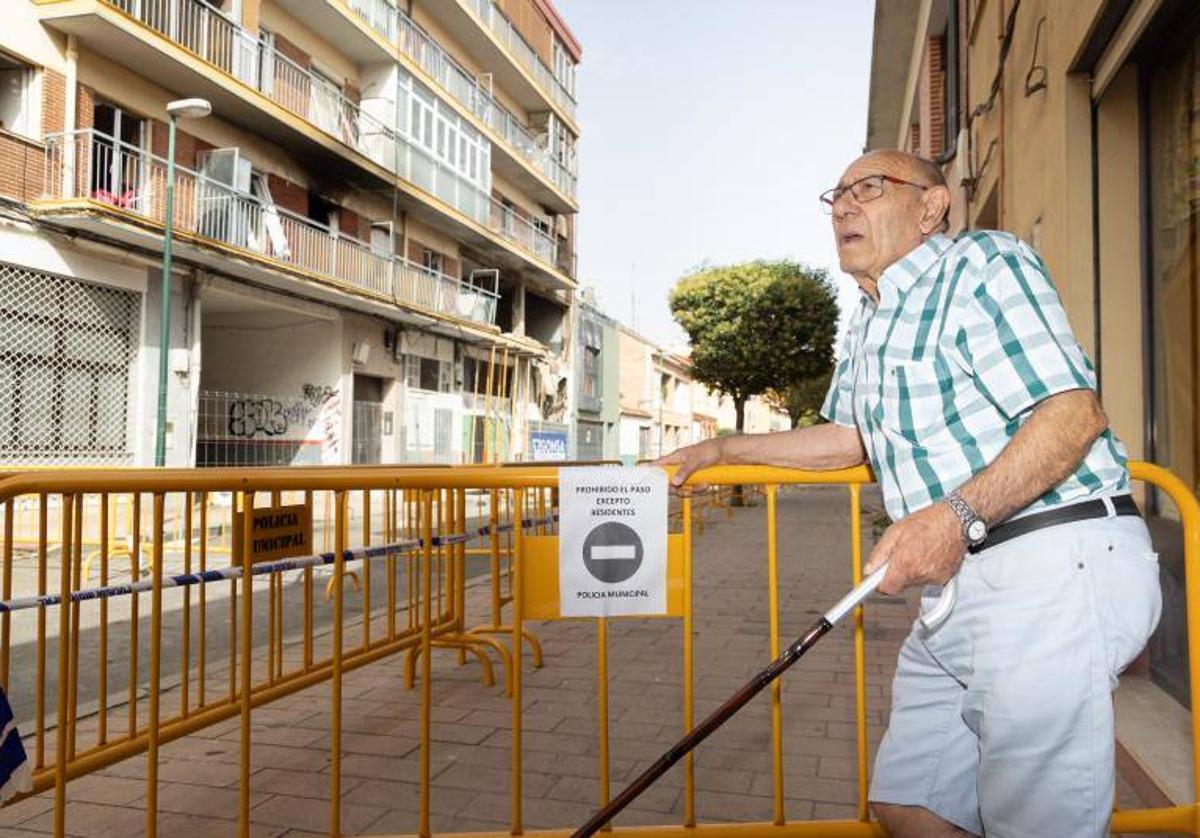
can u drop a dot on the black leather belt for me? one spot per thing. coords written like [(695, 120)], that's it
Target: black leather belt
[(1086, 510)]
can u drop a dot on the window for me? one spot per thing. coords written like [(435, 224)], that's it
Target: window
[(1171, 80), (118, 162), (433, 261), (508, 216), (436, 128), (564, 67), (591, 372), (562, 144), (421, 373), (18, 102), (67, 354)]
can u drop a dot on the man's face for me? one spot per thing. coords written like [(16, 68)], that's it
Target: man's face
[(871, 236)]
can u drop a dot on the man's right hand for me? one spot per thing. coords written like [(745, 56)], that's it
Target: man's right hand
[(692, 458)]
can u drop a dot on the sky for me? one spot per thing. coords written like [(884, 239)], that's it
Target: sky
[(709, 127)]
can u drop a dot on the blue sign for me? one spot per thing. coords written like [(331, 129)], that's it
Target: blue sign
[(547, 446)]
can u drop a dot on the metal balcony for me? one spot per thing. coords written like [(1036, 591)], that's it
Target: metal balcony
[(93, 169), (207, 33), (399, 29)]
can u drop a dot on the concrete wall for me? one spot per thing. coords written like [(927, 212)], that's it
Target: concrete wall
[(293, 357)]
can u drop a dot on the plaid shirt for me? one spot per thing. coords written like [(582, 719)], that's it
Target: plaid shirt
[(968, 335)]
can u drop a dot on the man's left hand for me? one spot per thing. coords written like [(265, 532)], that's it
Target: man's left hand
[(924, 548)]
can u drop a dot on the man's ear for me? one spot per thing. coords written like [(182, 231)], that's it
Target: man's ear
[(935, 206)]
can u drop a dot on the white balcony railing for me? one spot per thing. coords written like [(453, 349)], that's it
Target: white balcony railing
[(87, 164), (488, 12), (203, 29), (414, 42)]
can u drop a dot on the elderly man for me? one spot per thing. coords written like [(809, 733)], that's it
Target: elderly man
[(961, 383)]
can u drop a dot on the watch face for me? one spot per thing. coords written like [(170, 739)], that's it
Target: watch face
[(976, 531)]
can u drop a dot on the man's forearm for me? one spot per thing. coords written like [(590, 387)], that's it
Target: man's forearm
[(1043, 453), (819, 447)]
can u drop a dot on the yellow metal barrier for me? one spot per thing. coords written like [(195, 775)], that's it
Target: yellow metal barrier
[(418, 517)]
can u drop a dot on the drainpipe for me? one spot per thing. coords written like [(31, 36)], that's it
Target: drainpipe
[(70, 120)]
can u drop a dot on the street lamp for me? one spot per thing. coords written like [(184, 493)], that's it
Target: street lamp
[(179, 109)]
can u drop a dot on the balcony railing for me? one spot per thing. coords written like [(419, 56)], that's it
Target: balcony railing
[(398, 28), (91, 165), (201, 28), (502, 28)]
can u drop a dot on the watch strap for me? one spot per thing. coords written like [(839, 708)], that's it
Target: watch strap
[(964, 511)]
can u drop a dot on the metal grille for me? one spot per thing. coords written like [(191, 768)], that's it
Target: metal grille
[(66, 354), (253, 429), (589, 438), (367, 442)]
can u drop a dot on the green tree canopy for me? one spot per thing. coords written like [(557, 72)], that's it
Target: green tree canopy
[(757, 326), (802, 400)]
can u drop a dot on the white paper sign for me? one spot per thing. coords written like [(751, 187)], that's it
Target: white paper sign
[(612, 545)]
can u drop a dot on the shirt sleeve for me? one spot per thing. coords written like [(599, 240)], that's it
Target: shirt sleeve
[(839, 401), (1015, 335)]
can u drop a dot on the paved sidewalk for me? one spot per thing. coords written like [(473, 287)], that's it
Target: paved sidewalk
[(198, 793)]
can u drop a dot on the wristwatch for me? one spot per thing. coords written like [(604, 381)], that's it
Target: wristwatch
[(974, 528)]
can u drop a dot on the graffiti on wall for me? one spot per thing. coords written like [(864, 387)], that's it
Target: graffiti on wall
[(250, 417), (330, 426)]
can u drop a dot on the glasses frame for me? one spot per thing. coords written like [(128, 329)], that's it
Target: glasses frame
[(830, 196)]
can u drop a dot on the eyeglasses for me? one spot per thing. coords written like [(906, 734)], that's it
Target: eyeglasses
[(862, 190)]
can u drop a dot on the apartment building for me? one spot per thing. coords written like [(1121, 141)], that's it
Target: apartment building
[(662, 408), (1074, 124), (596, 427), (655, 398), (373, 230)]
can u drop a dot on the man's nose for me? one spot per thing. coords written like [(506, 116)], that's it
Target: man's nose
[(843, 207)]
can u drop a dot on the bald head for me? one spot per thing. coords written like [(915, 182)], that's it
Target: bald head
[(905, 165), (890, 201)]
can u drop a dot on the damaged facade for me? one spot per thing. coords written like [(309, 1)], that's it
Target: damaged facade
[(373, 230)]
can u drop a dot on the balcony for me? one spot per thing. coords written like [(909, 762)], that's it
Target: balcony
[(520, 150), (360, 147), (462, 86), (501, 27), (88, 170), (481, 27)]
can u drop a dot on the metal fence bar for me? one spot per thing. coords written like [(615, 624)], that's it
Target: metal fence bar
[(67, 499)]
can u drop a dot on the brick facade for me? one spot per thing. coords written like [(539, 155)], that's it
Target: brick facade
[(288, 195), (528, 20), (85, 108), (292, 52), (22, 167), (54, 101), (187, 148)]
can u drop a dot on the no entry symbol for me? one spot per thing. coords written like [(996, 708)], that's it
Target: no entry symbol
[(612, 552)]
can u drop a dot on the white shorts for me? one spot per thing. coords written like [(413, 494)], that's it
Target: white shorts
[(1002, 719)]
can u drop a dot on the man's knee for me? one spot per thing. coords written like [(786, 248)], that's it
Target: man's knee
[(915, 822)]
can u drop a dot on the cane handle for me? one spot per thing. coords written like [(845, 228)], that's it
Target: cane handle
[(937, 615)]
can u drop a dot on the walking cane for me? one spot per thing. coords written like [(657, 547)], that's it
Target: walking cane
[(777, 667)]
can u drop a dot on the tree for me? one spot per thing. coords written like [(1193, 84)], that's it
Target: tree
[(802, 399), (757, 326)]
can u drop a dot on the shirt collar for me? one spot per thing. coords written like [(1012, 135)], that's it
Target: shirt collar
[(903, 273)]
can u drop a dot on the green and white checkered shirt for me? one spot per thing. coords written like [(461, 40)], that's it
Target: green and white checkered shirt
[(968, 335)]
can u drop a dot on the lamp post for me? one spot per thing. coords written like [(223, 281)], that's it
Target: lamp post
[(185, 109)]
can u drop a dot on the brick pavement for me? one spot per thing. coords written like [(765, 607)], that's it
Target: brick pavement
[(198, 791)]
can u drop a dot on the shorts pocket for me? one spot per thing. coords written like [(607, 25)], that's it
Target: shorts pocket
[(1128, 603), (1039, 561)]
